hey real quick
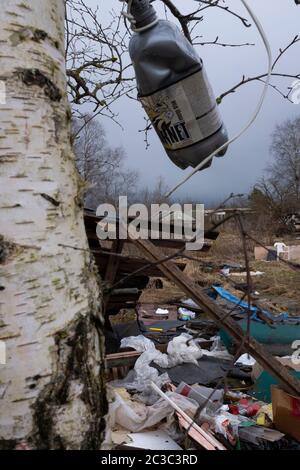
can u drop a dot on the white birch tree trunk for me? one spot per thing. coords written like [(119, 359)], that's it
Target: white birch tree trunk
[(51, 388)]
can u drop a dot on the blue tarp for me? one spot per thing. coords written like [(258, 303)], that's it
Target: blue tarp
[(244, 307)]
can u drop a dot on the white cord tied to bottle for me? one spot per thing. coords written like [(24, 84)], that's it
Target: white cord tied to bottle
[(266, 43), (255, 114), (128, 15)]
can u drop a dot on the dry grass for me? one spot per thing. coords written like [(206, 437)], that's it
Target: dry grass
[(279, 281), (278, 285), (161, 296)]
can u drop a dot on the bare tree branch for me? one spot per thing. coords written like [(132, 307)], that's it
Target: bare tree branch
[(98, 68), (245, 80)]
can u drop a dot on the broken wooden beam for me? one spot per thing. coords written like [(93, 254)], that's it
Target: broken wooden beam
[(91, 220), (253, 347), (112, 268), (168, 243), (121, 359), (128, 264), (126, 291)]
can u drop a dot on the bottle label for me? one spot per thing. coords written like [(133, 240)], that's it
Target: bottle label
[(184, 113)]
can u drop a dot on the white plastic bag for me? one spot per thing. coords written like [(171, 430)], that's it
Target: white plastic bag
[(136, 416), (246, 360), (183, 349), (139, 343), (185, 314), (228, 425), (217, 344), (189, 303), (218, 350), (140, 378)]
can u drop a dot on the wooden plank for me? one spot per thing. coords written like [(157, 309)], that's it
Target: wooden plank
[(122, 355), (173, 244), (253, 347), (91, 220), (194, 433), (147, 312), (113, 262), (125, 299), (212, 234), (126, 291), (128, 264), (178, 244), (112, 268), (127, 359)]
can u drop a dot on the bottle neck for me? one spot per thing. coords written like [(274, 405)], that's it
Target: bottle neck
[(142, 15)]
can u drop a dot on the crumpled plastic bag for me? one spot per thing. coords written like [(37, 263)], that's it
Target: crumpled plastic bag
[(139, 379), (139, 343), (183, 349), (217, 344), (185, 314), (246, 360), (189, 303), (218, 350), (136, 417), (228, 425)]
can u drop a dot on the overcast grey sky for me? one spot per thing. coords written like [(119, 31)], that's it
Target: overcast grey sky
[(246, 159)]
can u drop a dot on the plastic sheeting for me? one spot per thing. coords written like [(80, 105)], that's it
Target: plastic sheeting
[(244, 306), (139, 379), (182, 349), (139, 343), (136, 417)]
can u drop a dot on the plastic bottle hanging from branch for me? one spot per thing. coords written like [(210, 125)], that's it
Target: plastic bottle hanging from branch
[(173, 88)]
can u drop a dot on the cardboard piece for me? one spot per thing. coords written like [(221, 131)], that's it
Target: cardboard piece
[(286, 412)]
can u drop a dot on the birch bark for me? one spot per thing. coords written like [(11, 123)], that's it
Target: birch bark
[(51, 388)]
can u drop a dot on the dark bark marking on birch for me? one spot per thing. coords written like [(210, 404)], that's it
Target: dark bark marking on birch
[(33, 77), (73, 350)]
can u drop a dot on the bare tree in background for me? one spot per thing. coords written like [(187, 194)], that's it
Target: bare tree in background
[(101, 167), (285, 170), (277, 196), (156, 195)]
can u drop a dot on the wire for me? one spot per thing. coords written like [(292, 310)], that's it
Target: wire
[(256, 113)]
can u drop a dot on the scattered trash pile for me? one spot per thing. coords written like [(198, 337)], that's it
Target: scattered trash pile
[(174, 385)]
